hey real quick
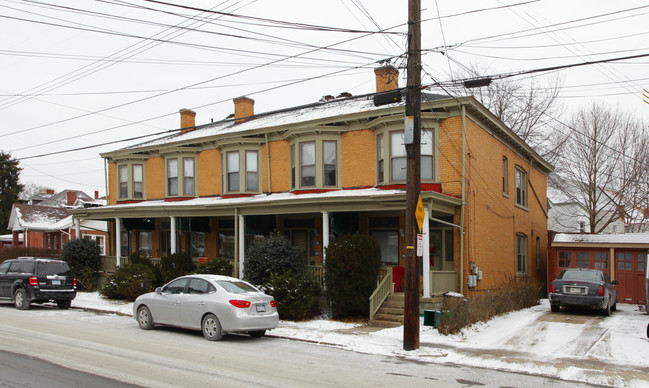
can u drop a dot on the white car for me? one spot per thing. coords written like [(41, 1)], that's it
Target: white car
[(214, 304)]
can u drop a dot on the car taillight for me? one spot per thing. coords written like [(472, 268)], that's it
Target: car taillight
[(551, 287), (74, 282), (33, 281), (273, 303), (242, 304), (600, 291)]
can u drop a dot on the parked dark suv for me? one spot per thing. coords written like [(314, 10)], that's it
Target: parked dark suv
[(28, 280)]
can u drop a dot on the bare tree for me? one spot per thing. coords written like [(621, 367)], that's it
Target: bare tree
[(528, 107), (604, 160), (30, 189)]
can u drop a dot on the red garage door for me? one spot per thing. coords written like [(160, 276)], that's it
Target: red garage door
[(629, 270)]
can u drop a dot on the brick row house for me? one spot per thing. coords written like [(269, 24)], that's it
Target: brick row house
[(337, 166), (45, 221)]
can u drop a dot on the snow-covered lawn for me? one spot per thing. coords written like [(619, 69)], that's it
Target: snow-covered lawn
[(580, 346)]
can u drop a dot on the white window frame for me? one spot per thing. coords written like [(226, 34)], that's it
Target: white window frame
[(521, 186), (521, 253)]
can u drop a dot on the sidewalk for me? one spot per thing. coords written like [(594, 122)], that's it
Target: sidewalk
[(608, 351)]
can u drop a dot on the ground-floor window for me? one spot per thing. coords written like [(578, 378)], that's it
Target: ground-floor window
[(565, 259), (582, 260), (389, 243), (99, 240), (521, 253), (197, 244), (601, 260), (144, 243)]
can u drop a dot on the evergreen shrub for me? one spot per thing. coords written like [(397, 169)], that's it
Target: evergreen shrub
[(295, 295), (175, 265), (84, 258), (272, 255), (129, 281), (217, 266), (351, 270)]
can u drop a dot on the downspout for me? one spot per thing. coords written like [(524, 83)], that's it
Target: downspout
[(529, 180), (270, 190), (463, 205), (236, 239)]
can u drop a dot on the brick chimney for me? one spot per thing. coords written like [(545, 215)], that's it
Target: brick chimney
[(49, 191), (72, 197), (244, 109), (387, 78), (96, 194), (187, 120)]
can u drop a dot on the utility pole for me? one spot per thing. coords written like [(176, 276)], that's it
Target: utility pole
[(412, 140)]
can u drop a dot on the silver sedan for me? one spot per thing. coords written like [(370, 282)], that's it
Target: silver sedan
[(214, 304)]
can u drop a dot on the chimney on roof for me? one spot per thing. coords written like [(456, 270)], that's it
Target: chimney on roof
[(96, 194), (187, 120), (244, 109), (49, 191), (387, 78), (72, 197)]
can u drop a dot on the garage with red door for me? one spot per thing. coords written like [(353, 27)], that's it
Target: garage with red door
[(622, 256)]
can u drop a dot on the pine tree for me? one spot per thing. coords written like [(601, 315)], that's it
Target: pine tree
[(10, 188)]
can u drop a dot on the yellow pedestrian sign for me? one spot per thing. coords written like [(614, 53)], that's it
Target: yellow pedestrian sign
[(419, 213)]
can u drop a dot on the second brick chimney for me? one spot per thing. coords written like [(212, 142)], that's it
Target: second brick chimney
[(187, 120), (244, 109), (387, 78), (72, 197)]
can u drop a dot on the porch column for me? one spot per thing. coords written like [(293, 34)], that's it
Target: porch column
[(242, 244), (77, 228), (173, 234), (325, 235), (426, 257), (611, 263), (118, 241)]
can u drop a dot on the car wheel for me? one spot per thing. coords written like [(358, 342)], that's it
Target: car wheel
[(648, 330), (607, 310), (614, 307), (144, 318), (64, 304), (257, 333), (555, 308), (211, 328), (21, 301)]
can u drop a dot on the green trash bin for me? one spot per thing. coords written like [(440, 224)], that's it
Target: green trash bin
[(431, 317)]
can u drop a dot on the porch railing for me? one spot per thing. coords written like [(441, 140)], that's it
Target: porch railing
[(381, 293), (317, 271)]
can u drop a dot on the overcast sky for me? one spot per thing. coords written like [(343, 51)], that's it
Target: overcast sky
[(78, 74)]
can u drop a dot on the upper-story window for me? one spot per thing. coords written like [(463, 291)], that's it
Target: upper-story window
[(314, 162), (130, 180), (521, 187), (398, 157), (181, 173), (242, 171)]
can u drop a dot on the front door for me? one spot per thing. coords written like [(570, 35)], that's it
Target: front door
[(625, 273)]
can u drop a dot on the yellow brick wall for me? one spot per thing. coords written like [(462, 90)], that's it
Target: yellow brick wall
[(493, 219), (155, 178), (112, 183), (209, 173), (280, 167), (357, 165)]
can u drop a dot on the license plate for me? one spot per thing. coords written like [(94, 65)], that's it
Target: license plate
[(575, 290), (56, 282), (261, 308)]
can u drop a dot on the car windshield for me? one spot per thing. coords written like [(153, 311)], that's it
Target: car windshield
[(54, 268), (580, 275), (235, 287)]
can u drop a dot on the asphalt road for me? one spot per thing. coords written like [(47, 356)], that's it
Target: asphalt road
[(115, 348)]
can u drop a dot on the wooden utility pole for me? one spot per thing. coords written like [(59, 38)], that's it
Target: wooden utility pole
[(412, 137)]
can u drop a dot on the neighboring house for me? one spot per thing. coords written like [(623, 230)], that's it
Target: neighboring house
[(622, 256), (6, 240), (332, 167), (41, 226), (567, 213)]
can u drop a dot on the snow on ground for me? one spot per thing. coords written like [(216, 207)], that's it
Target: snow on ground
[(578, 346)]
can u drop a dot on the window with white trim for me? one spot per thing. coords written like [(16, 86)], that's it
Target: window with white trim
[(242, 171), (130, 180), (521, 187), (398, 156), (505, 177), (521, 253), (181, 176), (314, 162), (99, 240)]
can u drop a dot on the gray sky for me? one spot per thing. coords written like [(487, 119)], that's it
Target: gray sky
[(81, 73)]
